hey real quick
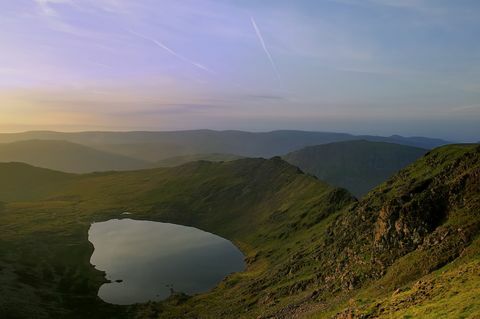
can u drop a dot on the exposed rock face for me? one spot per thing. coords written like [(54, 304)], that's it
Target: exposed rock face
[(431, 209), (405, 214), (402, 224)]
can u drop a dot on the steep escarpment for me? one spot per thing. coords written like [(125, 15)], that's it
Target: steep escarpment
[(423, 219), (417, 222), (311, 249), (432, 206)]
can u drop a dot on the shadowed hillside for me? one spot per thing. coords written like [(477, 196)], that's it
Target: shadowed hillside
[(66, 157), (311, 249), (19, 181), (358, 166)]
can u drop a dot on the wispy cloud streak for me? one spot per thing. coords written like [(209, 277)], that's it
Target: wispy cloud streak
[(467, 108), (45, 7), (264, 46), (172, 52)]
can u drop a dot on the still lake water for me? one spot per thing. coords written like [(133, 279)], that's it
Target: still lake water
[(151, 258)]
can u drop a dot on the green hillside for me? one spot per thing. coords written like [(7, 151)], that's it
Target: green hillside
[(179, 160), (358, 166), (240, 200), (66, 156), (19, 181), (409, 248)]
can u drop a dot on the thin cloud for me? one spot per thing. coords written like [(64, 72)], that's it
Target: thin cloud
[(467, 108), (103, 65), (380, 70), (414, 4), (425, 7), (172, 52), (264, 97), (46, 8), (264, 46)]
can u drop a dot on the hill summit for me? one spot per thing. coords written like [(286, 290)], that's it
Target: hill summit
[(358, 166), (409, 248)]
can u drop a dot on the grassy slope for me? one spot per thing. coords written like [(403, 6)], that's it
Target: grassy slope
[(211, 157), (19, 181), (310, 248), (358, 166), (66, 156), (257, 203)]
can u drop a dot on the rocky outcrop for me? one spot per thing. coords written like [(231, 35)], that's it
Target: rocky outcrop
[(417, 210)]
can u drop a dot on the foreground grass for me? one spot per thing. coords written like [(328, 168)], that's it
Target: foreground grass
[(450, 292)]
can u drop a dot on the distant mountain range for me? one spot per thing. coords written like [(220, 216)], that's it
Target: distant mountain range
[(66, 156), (155, 146), (358, 166), (355, 165)]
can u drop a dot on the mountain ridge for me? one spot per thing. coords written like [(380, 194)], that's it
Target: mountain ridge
[(311, 249), (154, 146), (180, 160), (357, 165)]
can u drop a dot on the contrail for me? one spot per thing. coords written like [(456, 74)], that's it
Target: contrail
[(172, 52), (260, 37)]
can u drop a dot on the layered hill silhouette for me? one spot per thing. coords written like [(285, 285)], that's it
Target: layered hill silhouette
[(155, 146), (410, 248), (66, 156), (358, 166), (180, 160)]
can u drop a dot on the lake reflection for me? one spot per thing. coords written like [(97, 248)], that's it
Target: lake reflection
[(150, 258)]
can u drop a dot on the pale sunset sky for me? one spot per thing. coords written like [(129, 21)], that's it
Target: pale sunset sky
[(409, 67)]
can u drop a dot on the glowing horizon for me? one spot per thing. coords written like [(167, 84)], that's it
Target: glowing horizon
[(407, 67)]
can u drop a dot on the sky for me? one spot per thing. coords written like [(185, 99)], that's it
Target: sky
[(408, 67)]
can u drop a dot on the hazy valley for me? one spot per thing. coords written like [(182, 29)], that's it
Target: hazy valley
[(311, 249)]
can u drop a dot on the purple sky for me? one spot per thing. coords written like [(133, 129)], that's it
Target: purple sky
[(409, 67)]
